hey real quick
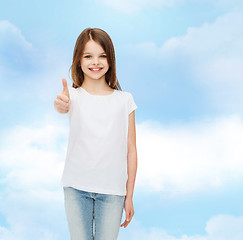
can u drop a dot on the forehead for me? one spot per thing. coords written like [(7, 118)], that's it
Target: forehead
[(93, 47)]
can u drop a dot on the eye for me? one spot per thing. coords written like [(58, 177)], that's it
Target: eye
[(103, 56), (88, 56)]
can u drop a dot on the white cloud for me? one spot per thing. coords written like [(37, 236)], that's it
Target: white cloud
[(137, 231), (212, 54), (212, 51), (209, 56), (16, 53), (225, 227), (26, 150), (131, 6), (35, 72), (31, 199), (235, 4), (191, 157), (221, 227), (218, 45), (11, 32), (172, 159)]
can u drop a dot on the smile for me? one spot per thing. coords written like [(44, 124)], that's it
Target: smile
[(95, 69)]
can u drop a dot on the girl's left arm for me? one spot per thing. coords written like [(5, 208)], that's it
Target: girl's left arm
[(131, 169), (131, 156)]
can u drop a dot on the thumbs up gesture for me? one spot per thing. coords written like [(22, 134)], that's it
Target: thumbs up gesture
[(62, 102)]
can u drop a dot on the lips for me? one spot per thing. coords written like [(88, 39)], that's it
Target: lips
[(95, 69)]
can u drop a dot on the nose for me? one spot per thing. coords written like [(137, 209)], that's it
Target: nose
[(95, 60)]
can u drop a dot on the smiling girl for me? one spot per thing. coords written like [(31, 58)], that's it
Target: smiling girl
[(101, 161)]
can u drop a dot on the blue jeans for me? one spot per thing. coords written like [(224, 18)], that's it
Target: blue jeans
[(93, 216)]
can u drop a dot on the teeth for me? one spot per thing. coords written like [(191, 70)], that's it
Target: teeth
[(95, 69)]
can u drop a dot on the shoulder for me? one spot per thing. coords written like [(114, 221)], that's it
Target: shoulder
[(124, 93), (73, 90), (70, 88), (126, 97)]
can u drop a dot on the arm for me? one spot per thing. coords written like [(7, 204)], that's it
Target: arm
[(131, 156), (131, 169)]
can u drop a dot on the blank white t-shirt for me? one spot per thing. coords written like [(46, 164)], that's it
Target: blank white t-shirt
[(96, 158)]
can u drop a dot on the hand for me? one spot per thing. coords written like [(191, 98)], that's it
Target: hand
[(62, 102), (129, 211)]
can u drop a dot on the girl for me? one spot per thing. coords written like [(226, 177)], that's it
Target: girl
[(101, 162)]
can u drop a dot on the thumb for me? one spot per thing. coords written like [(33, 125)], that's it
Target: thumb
[(65, 88)]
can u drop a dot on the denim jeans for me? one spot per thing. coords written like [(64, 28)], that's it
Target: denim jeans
[(93, 216)]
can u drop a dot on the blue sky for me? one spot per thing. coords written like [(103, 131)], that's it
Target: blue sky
[(181, 60)]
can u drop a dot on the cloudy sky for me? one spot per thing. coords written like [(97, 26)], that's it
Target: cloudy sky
[(182, 60)]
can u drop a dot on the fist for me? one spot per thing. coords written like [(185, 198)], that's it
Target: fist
[(62, 102)]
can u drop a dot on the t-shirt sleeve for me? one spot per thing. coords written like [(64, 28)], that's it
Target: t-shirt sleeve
[(71, 95), (131, 104)]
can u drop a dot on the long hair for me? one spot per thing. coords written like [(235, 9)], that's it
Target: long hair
[(104, 40)]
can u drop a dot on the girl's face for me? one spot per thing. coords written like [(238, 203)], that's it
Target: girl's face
[(94, 62)]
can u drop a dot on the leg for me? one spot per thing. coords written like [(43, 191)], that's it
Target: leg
[(79, 209), (108, 215)]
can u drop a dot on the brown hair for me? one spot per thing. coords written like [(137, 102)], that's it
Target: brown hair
[(102, 38)]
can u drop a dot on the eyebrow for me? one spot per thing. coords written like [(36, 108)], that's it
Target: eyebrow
[(90, 53)]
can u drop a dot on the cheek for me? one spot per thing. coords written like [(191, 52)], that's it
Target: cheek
[(84, 64), (105, 62)]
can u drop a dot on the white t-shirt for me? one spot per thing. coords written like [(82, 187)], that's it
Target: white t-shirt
[(96, 159)]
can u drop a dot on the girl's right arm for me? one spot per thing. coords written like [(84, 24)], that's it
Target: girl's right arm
[(62, 102)]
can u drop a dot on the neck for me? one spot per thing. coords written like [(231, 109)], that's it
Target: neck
[(95, 85)]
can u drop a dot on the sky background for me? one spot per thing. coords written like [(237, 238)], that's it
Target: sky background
[(182, 60)]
